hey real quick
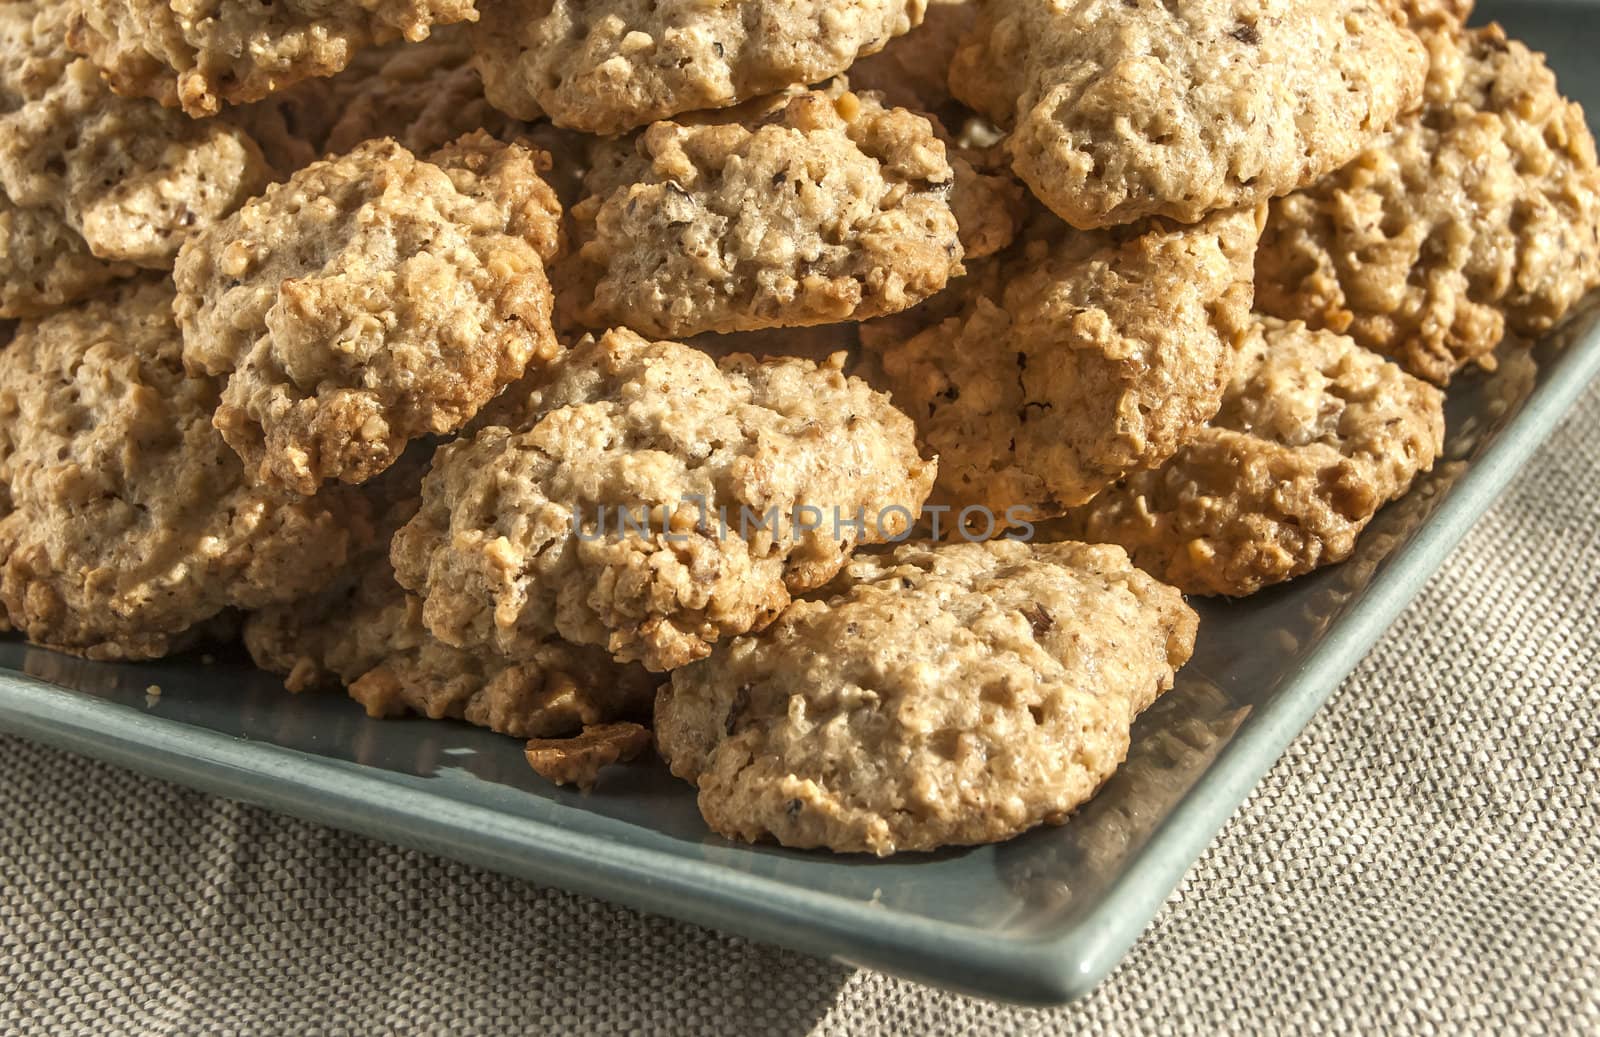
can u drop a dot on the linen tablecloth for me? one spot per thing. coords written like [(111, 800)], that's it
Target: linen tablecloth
[(1425, 857)]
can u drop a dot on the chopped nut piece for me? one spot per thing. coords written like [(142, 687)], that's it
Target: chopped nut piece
[(579, 760)]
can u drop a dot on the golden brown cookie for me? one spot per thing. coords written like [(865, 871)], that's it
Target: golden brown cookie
[(1437, 14), (368, 634), (424, 95), (45, 264), (201, 54), (651, 500), (85, 173), (608, 66), (371, 300), (931, 697), (1478, 214), (1315, 434), (130, 521), (1122, 109), (832, 208), (991, 206), (1076, 358)]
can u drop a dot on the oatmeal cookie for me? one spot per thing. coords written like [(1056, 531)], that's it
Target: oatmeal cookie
[(608, 66), (913, 71), (424, 95), (1315, 434), (373, 299), (1076, 359), (991, 206), (651, 500), (1121, 109), (931, 697), (45, 264), (201, 54), (367, 633), (128, 177), (130, 520), (833, 208), (1477, 214)]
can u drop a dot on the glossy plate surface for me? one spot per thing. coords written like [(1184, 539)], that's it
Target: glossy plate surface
[(1041, 919)]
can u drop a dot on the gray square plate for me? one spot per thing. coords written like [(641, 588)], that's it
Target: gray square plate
[(1041, 919)]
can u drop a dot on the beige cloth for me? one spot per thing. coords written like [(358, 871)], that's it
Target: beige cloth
[(1425, 858)]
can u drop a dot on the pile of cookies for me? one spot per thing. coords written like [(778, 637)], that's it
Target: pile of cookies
[(840, 396)]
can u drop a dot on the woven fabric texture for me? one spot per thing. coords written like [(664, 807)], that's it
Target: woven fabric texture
[(1425, 858)]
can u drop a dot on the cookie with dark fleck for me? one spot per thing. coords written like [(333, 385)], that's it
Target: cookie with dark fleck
[(651, 500), (45, 264), (1479, 214), (201, 54), (991, 206), (1074, 359), (130, 522), (935, 696), (608, 66), (831, 208), (373, 299), (1121, 109), (87, 173), (367, 633), (1315, 434)]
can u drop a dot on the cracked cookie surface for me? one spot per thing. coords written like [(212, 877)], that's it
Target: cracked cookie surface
[(1076, 358), (368, 634), (930, 697), (522, 533), (373, 299), (128, 178), (1480, 213), (45, 264), (201, 54), (614, 65), (1122, 109), (830, 208), (130, 521), (424, 95), (1315, 434)]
